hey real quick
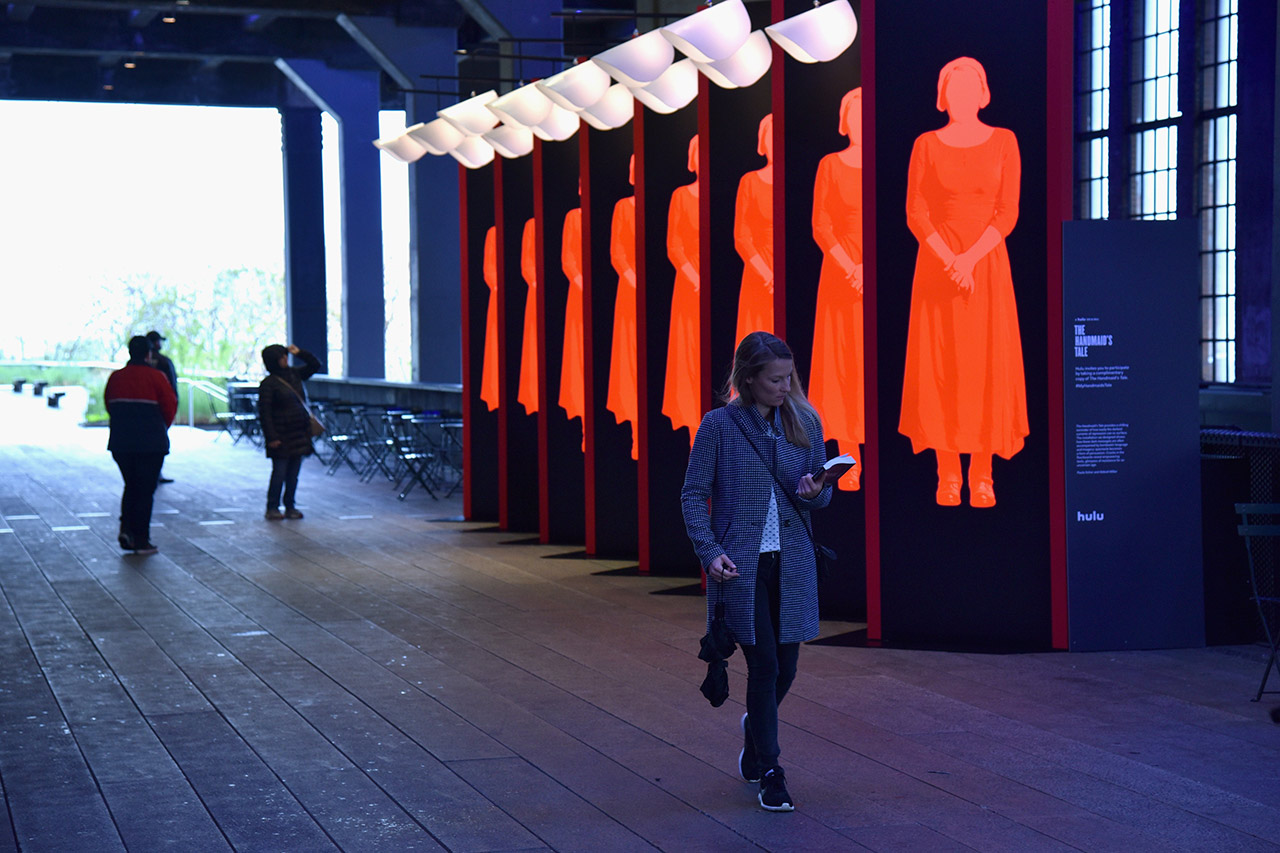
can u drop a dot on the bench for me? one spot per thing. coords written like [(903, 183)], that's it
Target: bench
[(54, 398), (17, 385), (37, 388)]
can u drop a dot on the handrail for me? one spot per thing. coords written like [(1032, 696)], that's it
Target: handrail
[(207, 387)]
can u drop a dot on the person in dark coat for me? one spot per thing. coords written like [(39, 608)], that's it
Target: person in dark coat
[(286, 423), (164, 364), (141, 405), (753, 539)]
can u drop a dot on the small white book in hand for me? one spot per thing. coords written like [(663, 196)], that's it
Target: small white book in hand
[(836, 467)]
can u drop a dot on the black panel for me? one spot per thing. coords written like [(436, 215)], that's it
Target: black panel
[(666, 452), (614, 471), (482, 445), (563, 501), (809, 129), (961, 574), (518, 430)]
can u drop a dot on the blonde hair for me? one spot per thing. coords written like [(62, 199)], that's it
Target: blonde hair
[(756, 352)]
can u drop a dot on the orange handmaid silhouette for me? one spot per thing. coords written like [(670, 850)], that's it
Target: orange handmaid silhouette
[(489, 366), (753, 238), (528, 392), (964, 389), (681, 398), (623, 376), (836, 382), (572, 365)]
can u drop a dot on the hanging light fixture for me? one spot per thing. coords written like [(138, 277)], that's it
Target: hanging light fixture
[(473, 152), (818, 35), (744, 68), (471, 116), (677, 86), (639, 60), (437, 135), (559, 125), (612, 111), (577, 87), (526, 106), (511, 141), (712, 34), (403, 147)]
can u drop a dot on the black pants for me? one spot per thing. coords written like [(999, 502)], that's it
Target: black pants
[(771, 666), (284, 475), (140, 472)]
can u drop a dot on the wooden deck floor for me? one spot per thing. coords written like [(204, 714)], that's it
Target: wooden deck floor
[(383, 677)]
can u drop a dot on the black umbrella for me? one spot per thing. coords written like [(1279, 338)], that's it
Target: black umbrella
[(717, 646)]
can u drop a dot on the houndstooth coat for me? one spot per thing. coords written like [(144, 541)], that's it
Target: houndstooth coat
[(724, 469)]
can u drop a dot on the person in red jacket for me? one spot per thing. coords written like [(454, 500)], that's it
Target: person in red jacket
[(141, 404)]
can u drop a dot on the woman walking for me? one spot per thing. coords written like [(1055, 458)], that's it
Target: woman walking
[(286, 423), (758, 460)]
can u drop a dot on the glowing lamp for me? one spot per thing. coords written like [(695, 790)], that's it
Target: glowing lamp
[(712, 34), (509, 140), (743, 68), (677, 86), (526, 106), (578, 87), (638, 61), (818, 35), (473, 152), (559, 125), (437, 136), (471, 116), (402, 147), (612, 111)]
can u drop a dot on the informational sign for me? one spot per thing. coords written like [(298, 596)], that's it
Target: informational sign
[(1134, 567)]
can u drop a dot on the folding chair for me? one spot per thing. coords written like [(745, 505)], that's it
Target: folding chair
[(343, 438), (416, 458), (1261, 532)]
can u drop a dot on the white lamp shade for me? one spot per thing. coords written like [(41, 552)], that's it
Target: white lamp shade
[(677, 86), (471, 116), (437, 135), (818, 35), (745, 67), (712, 34), (509, 140), (526, 106), (473, 152), (559, 125), (403, 147), (638, 61), (612, 111), (576, 87)]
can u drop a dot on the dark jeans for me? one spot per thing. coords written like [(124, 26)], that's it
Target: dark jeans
[(284, 475), (140, 472), (771, 666)]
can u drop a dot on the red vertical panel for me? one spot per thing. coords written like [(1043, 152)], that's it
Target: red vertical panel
[(777, 80), (500, 241), (871, 449), (465, 270), (540, 306), (588, 344), (1058, 200), (705, 165), (642, 345)]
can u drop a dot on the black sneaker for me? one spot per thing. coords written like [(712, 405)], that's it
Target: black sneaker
[(125, 540), (292, 513), (773, 791), (146, 548), (748, 765)]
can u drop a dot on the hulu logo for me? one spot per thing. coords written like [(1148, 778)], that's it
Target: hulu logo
[(1095, 515)]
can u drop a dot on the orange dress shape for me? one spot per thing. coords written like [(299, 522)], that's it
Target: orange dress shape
[(528, 393), (836, 378), (964, 389), (489, 367), (572, 364), (753, 235), (622, 396), (681, 393)]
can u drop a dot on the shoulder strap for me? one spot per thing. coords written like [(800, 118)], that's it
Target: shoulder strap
[(736, 418), (301, 399)]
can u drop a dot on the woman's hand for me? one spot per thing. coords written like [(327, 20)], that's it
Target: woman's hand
[(808, 487), (722, 569), (292, 348)]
